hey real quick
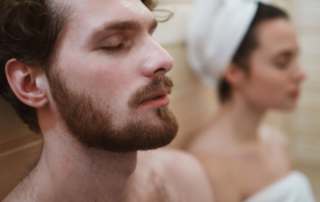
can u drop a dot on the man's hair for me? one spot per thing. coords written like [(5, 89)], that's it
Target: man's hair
[(249, 44), (29, 32)]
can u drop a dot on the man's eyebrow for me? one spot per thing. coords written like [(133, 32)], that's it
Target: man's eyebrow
[(128, 25), (121, 26)]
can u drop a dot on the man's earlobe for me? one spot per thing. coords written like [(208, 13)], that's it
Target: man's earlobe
[(26, 83)]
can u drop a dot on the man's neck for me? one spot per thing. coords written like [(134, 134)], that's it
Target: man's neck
[(68, 171)]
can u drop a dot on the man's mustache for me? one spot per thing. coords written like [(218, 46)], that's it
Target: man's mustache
[(158, 83)]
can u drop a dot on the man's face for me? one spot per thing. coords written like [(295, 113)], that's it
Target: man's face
[(108, 80)]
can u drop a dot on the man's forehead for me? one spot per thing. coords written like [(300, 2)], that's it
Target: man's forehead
[(119, 7), (97, 13)]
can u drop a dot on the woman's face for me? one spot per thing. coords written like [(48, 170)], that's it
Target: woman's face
[(275, 73)]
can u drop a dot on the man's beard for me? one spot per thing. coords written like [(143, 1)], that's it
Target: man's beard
[(91, 124)]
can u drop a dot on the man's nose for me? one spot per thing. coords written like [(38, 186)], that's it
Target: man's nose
[(156, 61)]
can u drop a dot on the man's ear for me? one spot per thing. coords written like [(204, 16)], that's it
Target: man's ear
[(26, 83), (234, 75)]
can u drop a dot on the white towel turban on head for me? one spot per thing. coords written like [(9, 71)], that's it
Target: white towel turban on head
[(216, 30)]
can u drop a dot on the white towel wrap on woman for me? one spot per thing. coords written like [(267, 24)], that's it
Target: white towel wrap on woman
[(217, 27), (293, 188)]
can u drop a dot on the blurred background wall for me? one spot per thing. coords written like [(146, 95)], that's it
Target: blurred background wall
[(194, 104)]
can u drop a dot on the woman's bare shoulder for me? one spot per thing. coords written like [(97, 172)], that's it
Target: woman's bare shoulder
[(217, 166), (274, 136)]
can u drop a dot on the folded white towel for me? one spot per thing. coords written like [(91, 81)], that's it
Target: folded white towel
[(293, 188), (216, 30)]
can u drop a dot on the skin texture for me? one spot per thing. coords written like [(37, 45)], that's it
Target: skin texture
[(242, 156), (110, 65)]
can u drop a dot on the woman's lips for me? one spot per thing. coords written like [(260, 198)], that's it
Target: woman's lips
[(295, 94), (157, 99)]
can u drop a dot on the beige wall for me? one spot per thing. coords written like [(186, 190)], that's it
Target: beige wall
[(194, 103), (306, 120)]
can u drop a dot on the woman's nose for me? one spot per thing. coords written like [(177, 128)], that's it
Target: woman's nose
[(300, 74)]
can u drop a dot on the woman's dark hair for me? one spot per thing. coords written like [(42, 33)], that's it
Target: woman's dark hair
[(249, 44), (29, 31)]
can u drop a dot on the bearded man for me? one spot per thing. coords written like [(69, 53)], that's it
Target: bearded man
[(87, 75)]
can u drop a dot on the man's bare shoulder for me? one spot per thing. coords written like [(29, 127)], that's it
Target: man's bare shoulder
[(171, 161), (180, 170)]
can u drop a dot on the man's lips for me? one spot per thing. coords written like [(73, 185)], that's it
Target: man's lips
[(157, 99)]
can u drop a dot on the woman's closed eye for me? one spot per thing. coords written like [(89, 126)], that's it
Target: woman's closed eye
[(281, 64), (283, 60)]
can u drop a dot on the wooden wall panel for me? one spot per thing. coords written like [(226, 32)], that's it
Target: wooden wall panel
[(10, 125), (14, 166), (17, 147)]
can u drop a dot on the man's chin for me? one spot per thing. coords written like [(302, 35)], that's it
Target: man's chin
[(156, 131)]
